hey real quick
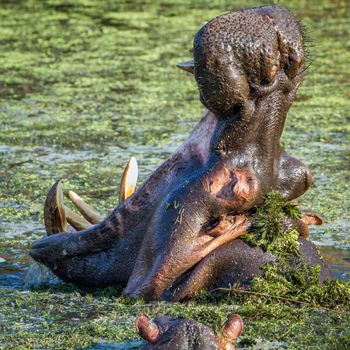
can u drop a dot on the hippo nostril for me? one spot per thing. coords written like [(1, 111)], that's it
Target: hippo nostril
[(287, 64), (265, 87), (292, 65), (265, 81)]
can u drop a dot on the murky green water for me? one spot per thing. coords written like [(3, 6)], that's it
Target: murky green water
[(86, 84)]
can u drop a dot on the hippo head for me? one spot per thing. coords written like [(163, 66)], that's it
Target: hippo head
[(248, 66)]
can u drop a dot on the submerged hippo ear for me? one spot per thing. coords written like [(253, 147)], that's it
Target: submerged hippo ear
[(188, 66), (233, 328), (231, 331), (147, 329)]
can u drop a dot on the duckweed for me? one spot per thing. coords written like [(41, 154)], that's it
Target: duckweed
[(86, 84)]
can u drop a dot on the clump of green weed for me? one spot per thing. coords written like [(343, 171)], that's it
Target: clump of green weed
[(267, 228), (289, 278)]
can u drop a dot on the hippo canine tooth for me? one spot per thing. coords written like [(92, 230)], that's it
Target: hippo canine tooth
[(85, 209), (129, 180), (54, 214)]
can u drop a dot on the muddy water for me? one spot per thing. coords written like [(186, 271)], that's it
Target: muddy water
[(86, 84)]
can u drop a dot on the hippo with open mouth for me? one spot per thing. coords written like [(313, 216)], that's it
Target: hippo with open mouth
[(179, 232)]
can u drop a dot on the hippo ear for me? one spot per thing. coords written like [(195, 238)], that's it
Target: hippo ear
[(147, 329), (231, 331), (187, 66), (233, 328), (311, 218)]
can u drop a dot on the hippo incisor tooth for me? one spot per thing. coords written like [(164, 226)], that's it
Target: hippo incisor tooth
[(75, 220), (187, 66), (129, 180), (86, 210), (54, 215)]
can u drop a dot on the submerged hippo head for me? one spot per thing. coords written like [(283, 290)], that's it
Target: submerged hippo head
[(248, 66), (166, 333)]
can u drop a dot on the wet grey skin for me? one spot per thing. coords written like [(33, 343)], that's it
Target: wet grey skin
[(179, 231)]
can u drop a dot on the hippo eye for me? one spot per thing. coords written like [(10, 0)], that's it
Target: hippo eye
[(211, 225)]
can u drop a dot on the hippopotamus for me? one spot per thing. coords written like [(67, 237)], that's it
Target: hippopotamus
[(167, 333), (180, 230)]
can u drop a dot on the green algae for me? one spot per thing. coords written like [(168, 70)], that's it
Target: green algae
[(267, 228), (86, 84), (70, 319), (296, 282)]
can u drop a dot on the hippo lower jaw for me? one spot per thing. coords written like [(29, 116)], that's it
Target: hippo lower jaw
[(171, 269), (167, 277)]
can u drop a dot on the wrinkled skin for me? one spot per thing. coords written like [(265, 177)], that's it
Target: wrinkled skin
[(166, 333), (176, 233)]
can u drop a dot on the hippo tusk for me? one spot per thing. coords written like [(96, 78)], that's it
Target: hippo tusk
[(129, 180), (54, 213), (75, 220), (188, 66), (86, 210)]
